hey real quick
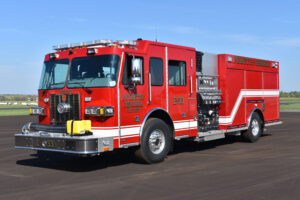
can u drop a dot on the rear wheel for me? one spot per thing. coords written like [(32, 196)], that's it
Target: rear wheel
[(155, 141), (255, 129)]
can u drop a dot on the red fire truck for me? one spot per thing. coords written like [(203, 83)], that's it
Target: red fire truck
[(103, 95)]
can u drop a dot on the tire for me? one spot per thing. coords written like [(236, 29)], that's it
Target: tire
[(255, 129), (155, 142)]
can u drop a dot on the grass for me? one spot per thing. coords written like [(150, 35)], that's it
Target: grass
[(294, 104), (284, 100), (290, 107), (19, 105), (14, 106), (14, 112)]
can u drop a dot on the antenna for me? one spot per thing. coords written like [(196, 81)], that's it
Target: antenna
[(155, 34)]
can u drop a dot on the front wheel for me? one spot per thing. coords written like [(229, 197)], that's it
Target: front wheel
[(155, 141), (255, 129)]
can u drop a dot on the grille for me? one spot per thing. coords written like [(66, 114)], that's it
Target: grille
[(73, 114)]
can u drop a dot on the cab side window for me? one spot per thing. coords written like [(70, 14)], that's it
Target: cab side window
[(177, 73), (156, 70)]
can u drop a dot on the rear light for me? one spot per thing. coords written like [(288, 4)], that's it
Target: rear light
[(275, 65), (105, 111), (37, 111)]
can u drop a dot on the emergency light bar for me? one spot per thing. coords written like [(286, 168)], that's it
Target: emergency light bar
[(105, 42), (126, 42)]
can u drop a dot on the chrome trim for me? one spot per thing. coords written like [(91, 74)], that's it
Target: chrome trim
[(149, 88), (147, 116), (64, 143), (167, 79), (236, 129), (119, 103), (212, 132), (62, 151), (130, 145), (63, 107), (191, 82), (274, 123), (181, 137), (157, 141), (250, 116)]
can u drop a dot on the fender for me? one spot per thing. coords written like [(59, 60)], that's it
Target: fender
[(147, 116), (250, 116)]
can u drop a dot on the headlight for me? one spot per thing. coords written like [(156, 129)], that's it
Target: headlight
[(105, 111), (37, 110)]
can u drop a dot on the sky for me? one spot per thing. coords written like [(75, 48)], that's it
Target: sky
[(261, 29)]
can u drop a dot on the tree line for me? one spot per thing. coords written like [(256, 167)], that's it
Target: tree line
[(18, 97), (293, 94)]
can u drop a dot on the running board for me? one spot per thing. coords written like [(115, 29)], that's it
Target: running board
[(210, 135)]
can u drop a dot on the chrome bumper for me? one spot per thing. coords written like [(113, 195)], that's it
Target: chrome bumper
[(81, 145)]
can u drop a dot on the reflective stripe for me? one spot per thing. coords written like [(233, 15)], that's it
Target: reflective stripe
[(132, 130), (225, 120)]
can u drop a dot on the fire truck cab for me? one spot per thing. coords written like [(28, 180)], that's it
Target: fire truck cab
[(102, 95)]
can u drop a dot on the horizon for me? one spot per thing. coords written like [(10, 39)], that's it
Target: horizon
[(269, 31)]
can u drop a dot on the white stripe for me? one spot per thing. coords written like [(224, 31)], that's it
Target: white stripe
[(115, 127), (106, 133), (185, 124), (100, 133), (246, 93), (181, 125), (130, 130), (193, 124)]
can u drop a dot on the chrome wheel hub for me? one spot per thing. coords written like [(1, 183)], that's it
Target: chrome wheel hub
[(255, 127), (157, 141)]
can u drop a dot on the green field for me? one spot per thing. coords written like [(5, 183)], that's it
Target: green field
[(14, 106), (14, 112), (18, 109), (290, 103)]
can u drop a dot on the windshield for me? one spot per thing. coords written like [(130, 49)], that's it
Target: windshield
[(54, 74), (94, 71)]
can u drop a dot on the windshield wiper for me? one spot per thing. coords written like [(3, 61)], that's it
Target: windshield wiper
[(82, 86)]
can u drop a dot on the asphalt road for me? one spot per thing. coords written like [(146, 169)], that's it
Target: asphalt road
[(223, 169)]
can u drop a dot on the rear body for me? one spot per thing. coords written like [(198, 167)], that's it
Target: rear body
[(195, 95)]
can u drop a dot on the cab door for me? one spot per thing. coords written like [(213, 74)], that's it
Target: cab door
[(156, 77), (179, 90), (133, 101)]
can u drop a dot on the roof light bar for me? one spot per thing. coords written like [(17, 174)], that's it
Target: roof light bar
[(104, 42), (126, 42)]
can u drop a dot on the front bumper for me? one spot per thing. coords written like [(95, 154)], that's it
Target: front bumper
[(81, 145)]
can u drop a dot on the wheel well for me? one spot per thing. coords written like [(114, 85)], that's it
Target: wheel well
[(258, 111), (163, 115), (260, 114)]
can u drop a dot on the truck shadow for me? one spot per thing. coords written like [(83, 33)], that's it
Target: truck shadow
[(118, 157)]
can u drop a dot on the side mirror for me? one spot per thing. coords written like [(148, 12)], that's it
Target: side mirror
[(136, 71)]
